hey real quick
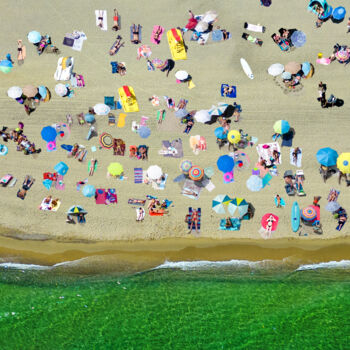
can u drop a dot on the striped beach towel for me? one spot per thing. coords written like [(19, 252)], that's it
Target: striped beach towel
[(138, 175), (188, 218)]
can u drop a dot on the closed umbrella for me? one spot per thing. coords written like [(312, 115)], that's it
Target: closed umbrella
[(154, 172), (201, 26), (101, 109), (30, 91), (298, 38), (292, 67), (115, 169), (14, 92), (42, 91), (327, 156), (308, 214), (181, 75), (202, 116), (220, 133), (234, 136), (239, 204), (281, 127), (144, 132), (254, 183), (48, 134), (61, 90), (185, 166), (343, 163), (276, 69), (196, 173), (34, 37), (332, 206), (225, 163), (89, 191), (306, 68), (218, 204), (89, 118)]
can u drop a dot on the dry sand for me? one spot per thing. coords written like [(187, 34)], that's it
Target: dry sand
[(263, 103)]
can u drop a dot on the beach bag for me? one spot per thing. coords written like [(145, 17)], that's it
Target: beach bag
[(266, 3)]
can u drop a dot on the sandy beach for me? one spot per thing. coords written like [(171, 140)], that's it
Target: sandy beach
[(262, 100)]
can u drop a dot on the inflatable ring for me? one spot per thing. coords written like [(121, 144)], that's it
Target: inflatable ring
[(228, 177), (3, 150), (51, 146)]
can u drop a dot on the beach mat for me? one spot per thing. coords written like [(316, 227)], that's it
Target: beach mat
[(104, 22), (155, 28), (190, 211), (139, 28), (138, 175)]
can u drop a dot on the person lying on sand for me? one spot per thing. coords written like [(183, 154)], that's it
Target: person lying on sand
[(157, 34), (92, 166), (116, 46), (115, 21), (135, 34), (27, 184)]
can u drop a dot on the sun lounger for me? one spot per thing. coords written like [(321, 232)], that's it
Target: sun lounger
[(161, 31), (101, 17), (64, 68)]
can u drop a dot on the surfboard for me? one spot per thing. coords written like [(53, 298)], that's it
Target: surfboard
[(295, 217), (246, 68)]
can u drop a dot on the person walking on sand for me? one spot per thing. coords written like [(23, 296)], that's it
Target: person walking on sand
[(21, 52), (194, 221)]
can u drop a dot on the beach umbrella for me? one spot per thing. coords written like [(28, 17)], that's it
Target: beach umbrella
[(185, 166), (106, 140), (154, 172), (48, 95), (306, 68), (281, 127), (276, 69), (30, 91), (101, 109), (42, 91), (292, 67), (181, 75), (286, 76), (115, 169), (327, 156), (201, 27), (332, 206), (308, 214), (89, 118), (265, 219), (225, 163), (157, 62), (89, 190), (239, 204), (220, 133), (34, 37), (234, 136), (343, 163), (254, 183), (144, 132), (209, 172), (202, 116), (217, 35), (6, 66), (196, 173), (76, 209), (48, 133), (14, 92), (342, 55), (227, 200), (209, 16), (218, 204), (218, 110), (242, 160), (61, 89), (298, 38)]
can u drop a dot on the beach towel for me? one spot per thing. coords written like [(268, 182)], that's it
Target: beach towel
[(143, 121), (265, 151), (111, 196), (47, 183), (134, 201), (48, 206), (5, 180), (139, 30), (111, 119), (190, 189), (12, 182), (190, 211), (161, 116), (138, 175), (121, 120), (236, 224), (64, 68), (299, 157), (282, 202), (100, 196), (155, 29), (77, 80), (203, 38), (232, 94), (254, 27), (287, 139), (266, 179), (210, 186), (101, 14), (172, 149), (59, 183), (160, 186), (109, 101)]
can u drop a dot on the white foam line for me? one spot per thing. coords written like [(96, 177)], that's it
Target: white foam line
[(325, 265)]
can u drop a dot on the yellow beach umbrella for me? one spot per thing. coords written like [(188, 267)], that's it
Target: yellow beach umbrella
[(343, 163), (234, 136), (115, 169)]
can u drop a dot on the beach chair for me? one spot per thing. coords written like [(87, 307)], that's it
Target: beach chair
[(110, 102)]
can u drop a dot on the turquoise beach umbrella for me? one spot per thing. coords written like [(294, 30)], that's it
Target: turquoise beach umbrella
[(6, 66), (34, 37), (89, 191), (327, 156), (218, 204)]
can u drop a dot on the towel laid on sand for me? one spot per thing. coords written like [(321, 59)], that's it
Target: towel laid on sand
[(299, 157), (156, 29), (101, 19)]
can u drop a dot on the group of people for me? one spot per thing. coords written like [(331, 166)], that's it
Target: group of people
[(283, 39)]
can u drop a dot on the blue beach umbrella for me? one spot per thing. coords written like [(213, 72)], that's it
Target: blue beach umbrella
[(254, 183), (144, 132), (220, 133), (48, 133), (34, 37), (306, 67), (6, 66), (89, 118), (327, 156), (298, 38), (225, 163), (89, 190), (42, 91)]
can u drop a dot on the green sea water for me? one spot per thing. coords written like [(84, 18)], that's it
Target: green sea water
[(225, 307)]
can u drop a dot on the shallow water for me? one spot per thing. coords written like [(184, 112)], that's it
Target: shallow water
[(197, 305)]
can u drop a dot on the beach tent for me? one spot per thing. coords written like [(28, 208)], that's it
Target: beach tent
[(327, 156)]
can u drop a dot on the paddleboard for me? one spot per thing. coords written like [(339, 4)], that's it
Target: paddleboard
[(246, 68), (295, 216)]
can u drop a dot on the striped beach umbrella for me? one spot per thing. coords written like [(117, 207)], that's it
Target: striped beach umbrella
[(76, 209), (343, 163), (281, 127), (196, 173), (234, 136), (239, 204), (308, 214), (185, 166), (218, 204), (106, 140)]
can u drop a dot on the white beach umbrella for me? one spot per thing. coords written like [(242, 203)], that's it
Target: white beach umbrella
[(14, 92), (181, 75), (276, 69), (154, 172), (101, 109), (201, 27), (61, 89), (202, 116), (219, 109), (209, 16)]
